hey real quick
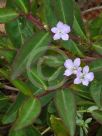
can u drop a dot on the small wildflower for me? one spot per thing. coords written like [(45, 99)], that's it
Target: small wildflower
[(84, 77), (72, 67), (61, 31)]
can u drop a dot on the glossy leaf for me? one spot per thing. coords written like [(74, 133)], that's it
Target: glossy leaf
[(47, 14), (97, 115), (31, 131), (58, 126), (41, 39), (94, 27), (63, 10), (82, 91), (97, 47), (96, 65), (7, 54), (96, 92), (24, 5), (78, 16), (54, 61), (28, 112), (65, 101), (23, 31), (17, 133), (11, 114), (22, 87), (37, 79), (72, 47), (77, 29), (34, 6), (7, 15), (28, 131)]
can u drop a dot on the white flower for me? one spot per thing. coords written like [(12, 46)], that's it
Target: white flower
[(84, 77), (72, 67), (61, 31)]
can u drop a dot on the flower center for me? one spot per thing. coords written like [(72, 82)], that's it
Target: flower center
[(82, 76), (74, 69), (60, 31)]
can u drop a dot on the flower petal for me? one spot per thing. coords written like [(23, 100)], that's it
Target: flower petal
[(77, 80), (60, 25), (79, 70), (77, 62), (90, 76), (85, 82), (56, 36), (68, 64), (66, 28), (86, 69), (79, 73), (54, 30), (68, 72), (65, 37)]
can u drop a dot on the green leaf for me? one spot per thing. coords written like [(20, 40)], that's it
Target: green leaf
[(40, 39), (97, 115), (57, 79), (17, 133), (23, 31), (63, 10), (7, 15), (77, 29), (46, 13), (46, 99), (65, 103), (7, 54), (72, 47), (54, 61), (4, 102), (94, 27), (58, 126), (28, 131), (35, 76), (78, 15), (34, 7), (96, 92), (96, 65), (31, 131), (28, 112), (5, 42), (97, 47), (11, 113), (24, 5), (23, 87), (81, 91)]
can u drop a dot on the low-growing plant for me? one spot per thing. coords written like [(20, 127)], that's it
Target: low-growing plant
[(51, 66)]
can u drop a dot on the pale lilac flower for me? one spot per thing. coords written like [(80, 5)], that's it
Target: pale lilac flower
[(84, 77), (72, 67), (61, 31)]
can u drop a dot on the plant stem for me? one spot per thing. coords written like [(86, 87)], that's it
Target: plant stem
[(44, 94), (10, 88), (45, 131), (92, 9), (35, 21), (83, 111)]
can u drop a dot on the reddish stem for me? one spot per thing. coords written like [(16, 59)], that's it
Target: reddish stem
[(35, 21)]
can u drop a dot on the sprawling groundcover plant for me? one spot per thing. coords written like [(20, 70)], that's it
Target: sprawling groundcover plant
[(50, 70)]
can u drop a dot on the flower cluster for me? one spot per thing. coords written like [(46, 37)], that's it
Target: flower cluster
[(82, 75), (61, 31)]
